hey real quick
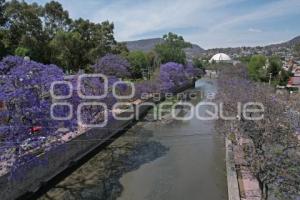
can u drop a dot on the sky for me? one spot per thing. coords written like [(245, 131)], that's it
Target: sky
[(208, 23)]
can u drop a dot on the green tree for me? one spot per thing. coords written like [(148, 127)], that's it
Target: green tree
[(21, 51), (256, 67), (275, 66), (120, 48), (102, 40), (2, 46), (2, 22), (154, 60), (172, 49), (2, 9), (2, 50), (198, 63), (35, 51), (176, 41), (55, 18), (138, 62), (47, 31), (66, 50), (24, 24), (283, 77), (98, 39), (245, 59)]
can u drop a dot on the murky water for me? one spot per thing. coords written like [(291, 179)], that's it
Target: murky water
[(154, 160)]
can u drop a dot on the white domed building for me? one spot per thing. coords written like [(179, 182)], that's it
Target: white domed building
[(220, 57)]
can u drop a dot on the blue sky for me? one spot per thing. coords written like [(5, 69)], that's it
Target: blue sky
[(209, 23)]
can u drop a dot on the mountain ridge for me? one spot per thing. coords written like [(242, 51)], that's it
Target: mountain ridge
[(289, 43), (147, 45)]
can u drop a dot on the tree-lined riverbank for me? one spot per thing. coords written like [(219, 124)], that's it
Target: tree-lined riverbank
[(154, 160)]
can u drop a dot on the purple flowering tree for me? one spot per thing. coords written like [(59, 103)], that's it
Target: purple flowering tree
[(191, 71), (9, 62), (24, 88), (172, 75), (94, 87), (145, 87), (25, 91), (273, 153), (112, 65)]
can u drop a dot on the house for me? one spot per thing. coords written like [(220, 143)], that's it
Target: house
[(293, 66), (294, 82), (296, 71)]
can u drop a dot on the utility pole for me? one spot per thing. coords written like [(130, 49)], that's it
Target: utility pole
[(270, 78)]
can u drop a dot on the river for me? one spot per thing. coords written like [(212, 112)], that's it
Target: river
[(154, 160)]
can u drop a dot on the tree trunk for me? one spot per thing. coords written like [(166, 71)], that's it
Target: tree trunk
[(263, 187), (265, 190)]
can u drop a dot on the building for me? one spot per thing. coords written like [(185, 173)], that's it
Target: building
[(294, 82), (293, 66), (296, 71), (220, 57)]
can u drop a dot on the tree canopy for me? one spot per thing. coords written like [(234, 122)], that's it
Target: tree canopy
[(138, 62), (273, 153), (47, 34), (261, 68), (172, 49), (112, 65), (256, 67)]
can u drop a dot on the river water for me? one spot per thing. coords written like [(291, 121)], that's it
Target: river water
[(155, 160)]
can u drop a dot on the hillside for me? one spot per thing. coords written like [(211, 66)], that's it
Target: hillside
[(289, 43), (294, 41), (268, 50), (143, 45), (147, 45)]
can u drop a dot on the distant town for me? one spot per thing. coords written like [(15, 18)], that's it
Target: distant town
[(286, 52)]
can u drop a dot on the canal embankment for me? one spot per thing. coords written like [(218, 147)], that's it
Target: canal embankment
[(155, 159), (242, 185), (24, 181), (232, 179)]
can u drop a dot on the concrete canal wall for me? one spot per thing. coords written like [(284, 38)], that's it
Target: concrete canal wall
[(232, 180), (30, 177)]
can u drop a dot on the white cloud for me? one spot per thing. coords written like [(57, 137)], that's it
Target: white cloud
[(228, 31), (214, 23), (255, 30), (134, 20), (269, 11)]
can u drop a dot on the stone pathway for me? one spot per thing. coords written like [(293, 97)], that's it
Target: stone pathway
[(248, 184)]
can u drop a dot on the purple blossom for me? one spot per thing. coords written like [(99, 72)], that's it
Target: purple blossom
[(112, 65), (191, 71), (25, 90), (172, 75), (146, 87), (9, 62)]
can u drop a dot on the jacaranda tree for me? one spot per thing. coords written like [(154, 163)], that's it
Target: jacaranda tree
[(24, 88), (173, 75), (112, 65)]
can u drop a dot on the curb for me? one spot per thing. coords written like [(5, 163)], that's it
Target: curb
[(232, 181)]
